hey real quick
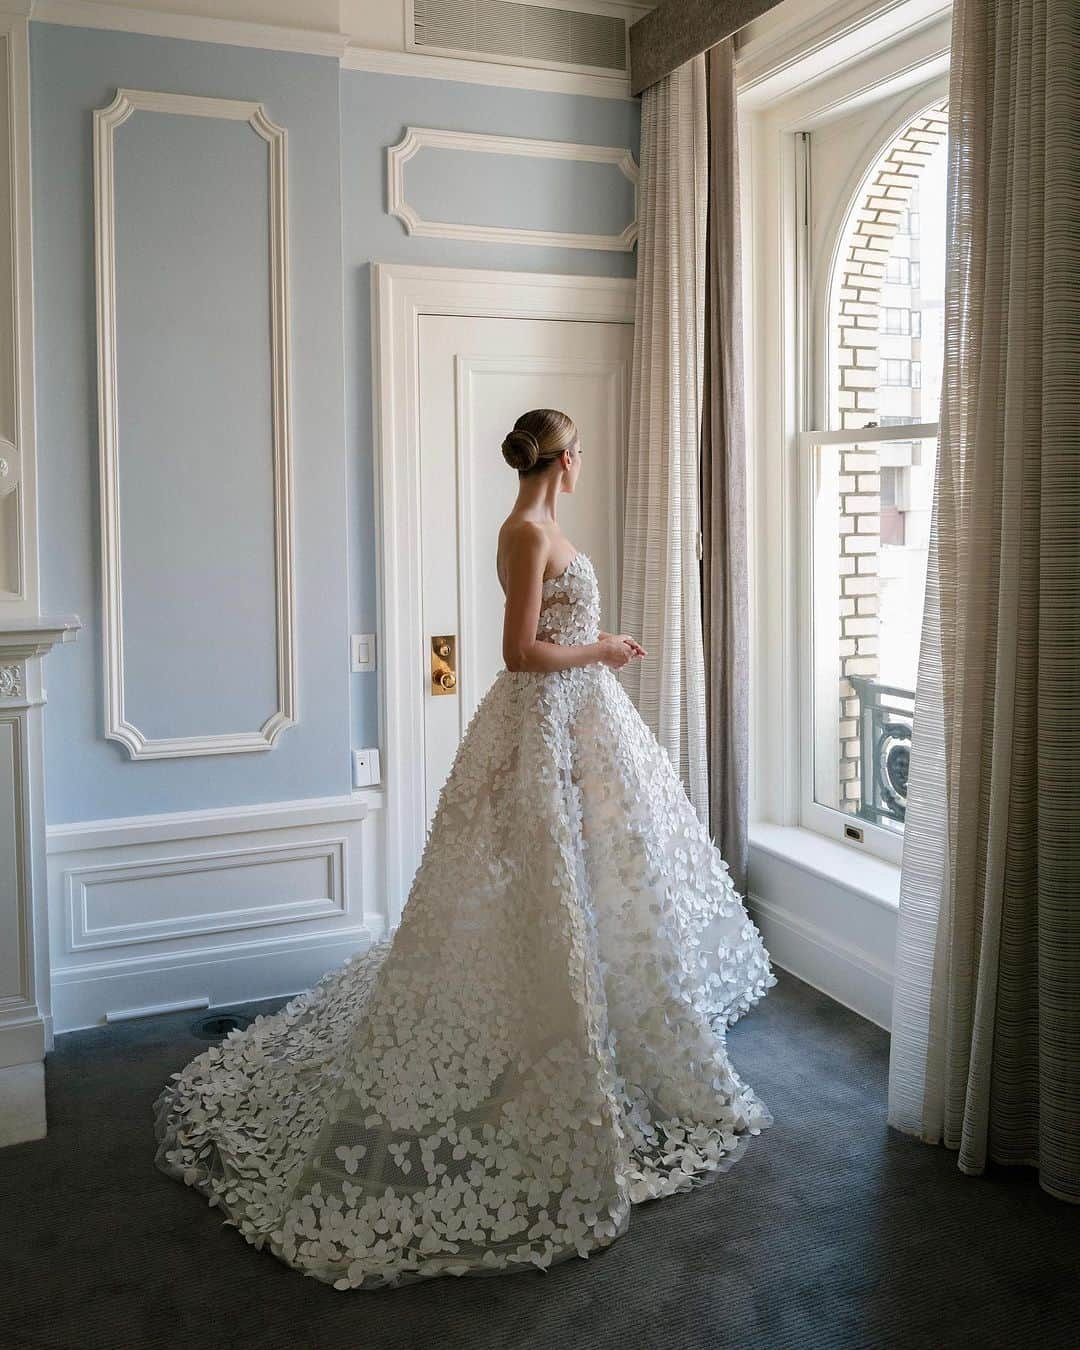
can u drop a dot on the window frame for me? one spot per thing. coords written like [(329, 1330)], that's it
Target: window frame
[(781, 383)]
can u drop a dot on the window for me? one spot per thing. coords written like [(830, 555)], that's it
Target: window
[(868, 481), (898, 271), (896, 372)]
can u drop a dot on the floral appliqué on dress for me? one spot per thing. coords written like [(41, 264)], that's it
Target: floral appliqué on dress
[(539, 1046)]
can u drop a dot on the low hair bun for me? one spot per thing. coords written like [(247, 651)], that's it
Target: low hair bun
[(521, 449)]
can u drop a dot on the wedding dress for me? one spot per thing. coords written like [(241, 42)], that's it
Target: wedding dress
[(539, 1046)]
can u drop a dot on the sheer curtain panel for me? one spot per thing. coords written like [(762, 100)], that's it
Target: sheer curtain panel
[(986, 1018)]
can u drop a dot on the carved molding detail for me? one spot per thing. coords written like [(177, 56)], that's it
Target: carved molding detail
[(419, 138), (12, 682), (117, 726)]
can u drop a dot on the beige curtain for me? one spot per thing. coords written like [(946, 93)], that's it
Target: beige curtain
[(725, 600), (986, 1018), (661, 587)]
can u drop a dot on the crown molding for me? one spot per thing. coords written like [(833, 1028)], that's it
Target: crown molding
[(319, 42), (192, 28), (465, 71)]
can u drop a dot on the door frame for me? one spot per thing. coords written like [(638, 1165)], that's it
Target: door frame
[(400, 294)]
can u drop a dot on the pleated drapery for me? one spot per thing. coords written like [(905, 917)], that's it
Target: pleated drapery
[(985, 1050), (725, 595), (661, 585)]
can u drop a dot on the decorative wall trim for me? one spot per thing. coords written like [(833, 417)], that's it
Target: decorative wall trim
[(12, 681), (464, 71), (117, 726), (18, 471), (419, 138), (232, 972), (88, 929), (319, 42), (225, 905), (195, 28), (166, 826), (401, 292)]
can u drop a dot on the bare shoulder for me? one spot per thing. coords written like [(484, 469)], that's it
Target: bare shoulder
[(522, 543)]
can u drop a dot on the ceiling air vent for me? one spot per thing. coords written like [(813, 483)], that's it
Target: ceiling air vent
[(537, 34)]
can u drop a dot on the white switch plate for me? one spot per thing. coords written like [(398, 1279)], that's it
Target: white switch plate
[(365, 768), (363, 652)]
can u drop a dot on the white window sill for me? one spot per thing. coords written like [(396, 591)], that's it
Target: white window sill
[(843, 864)]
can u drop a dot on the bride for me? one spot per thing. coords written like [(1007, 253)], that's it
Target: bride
[(542, 1042)]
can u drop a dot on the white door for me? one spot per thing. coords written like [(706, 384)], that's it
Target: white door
[(476, 376)]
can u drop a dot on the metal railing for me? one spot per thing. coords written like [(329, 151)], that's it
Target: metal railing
[(885, 717)]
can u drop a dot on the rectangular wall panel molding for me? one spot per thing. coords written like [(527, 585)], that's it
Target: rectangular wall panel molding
[(191, 204), (555, 179), (249, 907)]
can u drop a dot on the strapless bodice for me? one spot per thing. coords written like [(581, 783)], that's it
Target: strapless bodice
[(570, 604)]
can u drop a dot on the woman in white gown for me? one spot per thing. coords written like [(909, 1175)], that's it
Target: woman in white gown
[(541, 1044)]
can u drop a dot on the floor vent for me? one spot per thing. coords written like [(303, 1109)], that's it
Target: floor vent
[(533, 33), (219, 1024)]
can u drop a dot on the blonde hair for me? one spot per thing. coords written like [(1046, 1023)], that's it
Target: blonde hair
[(539, 437)]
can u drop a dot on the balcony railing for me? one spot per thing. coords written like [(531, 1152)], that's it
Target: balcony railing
[(885, 718)]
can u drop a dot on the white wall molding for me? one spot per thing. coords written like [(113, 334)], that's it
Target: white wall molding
[(494, 73), (19, 581), (231, 904), (351, 49), (192, 27), (117, 726), (420, 138), (162, 827), (400, 294), (214, 976), (91, 927)]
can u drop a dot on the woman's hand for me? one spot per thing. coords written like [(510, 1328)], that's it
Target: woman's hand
[(617, 650)]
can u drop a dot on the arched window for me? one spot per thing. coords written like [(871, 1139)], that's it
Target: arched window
[(872, 467)]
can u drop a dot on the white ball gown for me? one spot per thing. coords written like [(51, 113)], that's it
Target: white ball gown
[(539, 1046)]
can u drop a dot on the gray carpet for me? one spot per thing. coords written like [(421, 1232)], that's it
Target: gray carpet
[(832, 1230)]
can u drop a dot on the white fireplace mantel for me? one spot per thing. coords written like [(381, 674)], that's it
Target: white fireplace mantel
[(24, 958)]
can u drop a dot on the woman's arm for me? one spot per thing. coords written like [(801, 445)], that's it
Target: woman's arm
[(526, 559)]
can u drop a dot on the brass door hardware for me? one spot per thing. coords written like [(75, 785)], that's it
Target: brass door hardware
[(444, 664)]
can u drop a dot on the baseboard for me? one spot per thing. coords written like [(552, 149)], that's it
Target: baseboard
[(845, 972), (235, 973), (22, 1103), (23, 1038)]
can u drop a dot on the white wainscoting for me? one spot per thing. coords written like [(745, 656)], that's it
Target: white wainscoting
[(210, 907)]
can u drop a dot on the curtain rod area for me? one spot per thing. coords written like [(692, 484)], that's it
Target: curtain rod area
[(677, 30)]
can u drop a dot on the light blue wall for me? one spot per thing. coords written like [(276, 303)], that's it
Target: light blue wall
[(375, 111), (339, 125), (74, 71)]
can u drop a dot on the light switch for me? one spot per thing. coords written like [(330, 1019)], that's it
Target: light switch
[(363, 652)]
